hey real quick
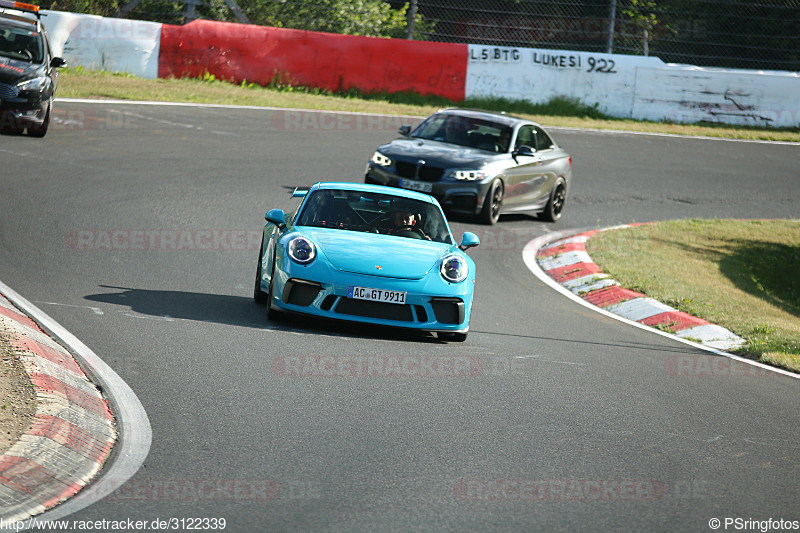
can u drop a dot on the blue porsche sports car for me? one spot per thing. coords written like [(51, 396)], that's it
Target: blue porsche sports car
[(367, 253)]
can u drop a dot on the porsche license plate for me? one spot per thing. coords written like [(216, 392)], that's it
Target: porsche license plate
[(416, 185), (376, 295)]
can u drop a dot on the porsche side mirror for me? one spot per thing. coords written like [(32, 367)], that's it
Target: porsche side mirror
[(469, 240), (277, 217), (58, 62), (404, 130)]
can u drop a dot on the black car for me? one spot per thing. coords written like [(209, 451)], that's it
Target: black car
[(28, 70), (478, 163)]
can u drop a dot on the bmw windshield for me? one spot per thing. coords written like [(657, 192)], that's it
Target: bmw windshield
[(465, 131), (374, 213)]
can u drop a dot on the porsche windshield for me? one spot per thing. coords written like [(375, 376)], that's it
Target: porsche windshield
[(20, 43), (465, 131), (374, 213)]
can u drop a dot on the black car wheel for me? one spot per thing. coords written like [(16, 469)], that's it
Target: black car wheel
[(555, 205), (273, 314), (493, 203), (258, 295), (41, 130)]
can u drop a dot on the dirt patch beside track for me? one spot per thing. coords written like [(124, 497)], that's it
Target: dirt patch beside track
[(17, 403)]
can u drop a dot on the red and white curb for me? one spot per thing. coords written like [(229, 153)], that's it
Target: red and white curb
[(568, 263), (72, 432)]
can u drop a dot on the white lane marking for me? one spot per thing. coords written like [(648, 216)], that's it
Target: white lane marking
[(539, 358), (165, 318), (95, 310), (175, 124)]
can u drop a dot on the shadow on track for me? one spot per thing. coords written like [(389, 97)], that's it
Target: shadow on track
[(243, 312), (683, 349)]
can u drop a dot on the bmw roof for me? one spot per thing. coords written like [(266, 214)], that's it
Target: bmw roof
[(494, 116)]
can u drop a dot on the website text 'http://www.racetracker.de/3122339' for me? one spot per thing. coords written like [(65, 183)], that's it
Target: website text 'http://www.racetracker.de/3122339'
[(156, 524)]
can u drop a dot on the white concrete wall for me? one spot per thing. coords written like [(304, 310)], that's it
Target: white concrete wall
[(115, 45), (637, 87), (742, 97), (538, 75)]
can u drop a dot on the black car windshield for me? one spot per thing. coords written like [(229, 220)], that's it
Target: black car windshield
[(21, 43), (465, 131), (374, 213)]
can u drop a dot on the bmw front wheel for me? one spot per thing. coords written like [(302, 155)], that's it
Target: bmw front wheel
[(493, 203)]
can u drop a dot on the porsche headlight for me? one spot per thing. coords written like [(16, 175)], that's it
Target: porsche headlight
[(35, 84), (301, 250), (454, 269), (381, 160), (468, 175)]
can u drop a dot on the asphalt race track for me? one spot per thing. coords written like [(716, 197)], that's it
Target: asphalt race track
[(132, 226)]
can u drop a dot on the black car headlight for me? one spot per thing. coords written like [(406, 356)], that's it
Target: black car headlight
[(381, 160), (34, 84), (301, 250), (454, 269)]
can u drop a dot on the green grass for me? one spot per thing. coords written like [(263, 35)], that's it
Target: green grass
[(560, 111), (742, 275)]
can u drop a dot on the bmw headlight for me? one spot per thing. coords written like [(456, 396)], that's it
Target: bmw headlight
[(301, 250), (454, 269), (34, 84), (381, 160), (468, 175)]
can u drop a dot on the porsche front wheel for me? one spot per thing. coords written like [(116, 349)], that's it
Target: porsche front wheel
[(273, 314), (258, 295)]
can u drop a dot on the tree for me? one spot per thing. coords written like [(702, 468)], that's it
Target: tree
[(642, 15), (351, 17)]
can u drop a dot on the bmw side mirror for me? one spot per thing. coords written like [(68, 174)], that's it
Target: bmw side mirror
[(277, 217), (58, 62), (469, 240), (523, 150), (404, 130)]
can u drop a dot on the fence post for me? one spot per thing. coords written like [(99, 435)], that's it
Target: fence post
[(412, 15), (189, 13), (612, 17)]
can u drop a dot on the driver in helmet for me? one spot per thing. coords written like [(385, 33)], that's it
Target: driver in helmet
[(405, 225)]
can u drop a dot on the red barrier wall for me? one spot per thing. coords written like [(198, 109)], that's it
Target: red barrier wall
[(258, 54)]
